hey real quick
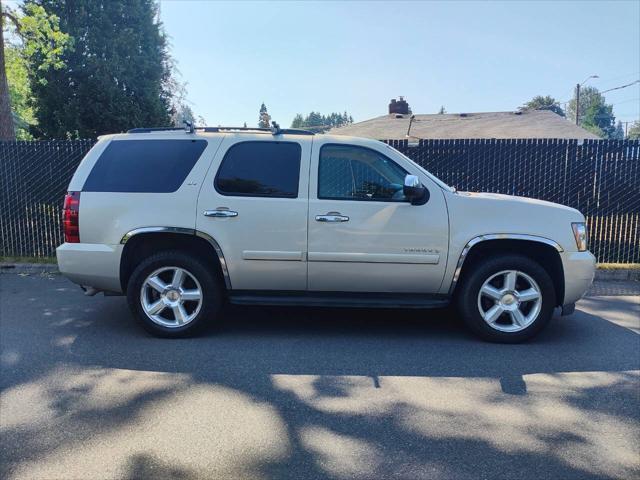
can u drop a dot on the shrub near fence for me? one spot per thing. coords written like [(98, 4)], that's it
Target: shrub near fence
[(601, 178)]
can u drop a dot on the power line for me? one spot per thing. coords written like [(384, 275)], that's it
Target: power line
[(605, 91), (620, 87)]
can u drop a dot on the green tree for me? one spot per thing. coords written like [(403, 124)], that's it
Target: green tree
[(117, 73), (19, 93), (543, 103), (634, 131), (264, 121), (39, 34), (315, 120), (442, 111), (595, 114), (298, 121)]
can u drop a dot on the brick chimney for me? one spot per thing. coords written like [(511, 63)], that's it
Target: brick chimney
[(399, 106)]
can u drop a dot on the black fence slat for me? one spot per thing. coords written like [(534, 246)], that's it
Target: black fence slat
[(600, 178)]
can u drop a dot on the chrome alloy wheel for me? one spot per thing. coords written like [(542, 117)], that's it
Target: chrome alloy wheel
[(171, 297), (510, 301)]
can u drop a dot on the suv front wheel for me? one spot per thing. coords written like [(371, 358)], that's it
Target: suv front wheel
[(507, 299), (172, 294)]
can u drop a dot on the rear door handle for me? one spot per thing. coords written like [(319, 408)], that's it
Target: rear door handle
[(332, 217), (220, 213)]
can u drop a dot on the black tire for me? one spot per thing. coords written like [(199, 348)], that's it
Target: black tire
[(211, 295), (482, 270)]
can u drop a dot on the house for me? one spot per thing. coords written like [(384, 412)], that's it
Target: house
[(398, 124)]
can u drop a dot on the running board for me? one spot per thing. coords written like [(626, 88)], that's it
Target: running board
[(338, 299)]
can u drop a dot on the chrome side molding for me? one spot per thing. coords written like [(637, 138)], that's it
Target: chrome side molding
[(223, 262), (127, 236), (185, 231), (496, 236)]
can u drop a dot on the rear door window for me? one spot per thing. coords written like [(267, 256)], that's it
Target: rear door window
[(149, 166), (260, 169)]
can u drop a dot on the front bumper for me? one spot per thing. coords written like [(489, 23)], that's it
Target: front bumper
[(91, 264), (579, 270)]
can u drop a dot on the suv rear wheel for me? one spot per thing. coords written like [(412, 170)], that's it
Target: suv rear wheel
[(507, 299), (172, 294)]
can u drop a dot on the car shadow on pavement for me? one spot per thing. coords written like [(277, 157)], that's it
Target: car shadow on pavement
[(320, 341)]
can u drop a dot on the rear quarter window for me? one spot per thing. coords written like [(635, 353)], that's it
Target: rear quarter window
[(149, 166)]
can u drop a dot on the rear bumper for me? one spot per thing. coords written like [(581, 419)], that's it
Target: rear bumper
[(579, 270), (91, 264)]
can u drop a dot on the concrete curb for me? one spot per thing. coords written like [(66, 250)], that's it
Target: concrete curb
[(51, 268), (28, 268), (623, 274)]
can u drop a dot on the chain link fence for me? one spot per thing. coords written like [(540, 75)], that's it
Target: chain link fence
[(601, 178), (33, 181)]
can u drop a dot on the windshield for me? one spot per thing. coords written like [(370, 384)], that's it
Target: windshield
[(440, 183)]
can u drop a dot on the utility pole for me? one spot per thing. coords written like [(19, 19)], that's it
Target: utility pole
[(578, 104), (578, 85)]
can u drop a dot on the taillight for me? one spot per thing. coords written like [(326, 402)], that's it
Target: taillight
[(70, 217)]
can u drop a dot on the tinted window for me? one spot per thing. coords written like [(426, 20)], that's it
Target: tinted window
[(144, 165), (260, 169), (348, 172)]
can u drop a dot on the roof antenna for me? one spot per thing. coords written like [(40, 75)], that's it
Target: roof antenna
[(188, 127), (275, 128)]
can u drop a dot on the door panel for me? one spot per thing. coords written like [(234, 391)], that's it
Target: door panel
[(265, 244), (384, 246)]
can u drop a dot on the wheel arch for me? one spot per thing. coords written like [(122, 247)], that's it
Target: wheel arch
[(142, 242), (543, 250)]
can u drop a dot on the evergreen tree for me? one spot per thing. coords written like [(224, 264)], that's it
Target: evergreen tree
[(314, 119), (318, 121), (264, 120), (298, 121), (117, 73), (442, 111)]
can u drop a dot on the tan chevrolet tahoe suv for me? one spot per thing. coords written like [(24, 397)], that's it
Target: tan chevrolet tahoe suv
[(182, 220)]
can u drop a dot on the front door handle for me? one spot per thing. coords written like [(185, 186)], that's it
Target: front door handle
[(220, 213), (332, 217)]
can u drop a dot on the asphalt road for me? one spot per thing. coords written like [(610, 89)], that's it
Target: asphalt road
[(295, 393)]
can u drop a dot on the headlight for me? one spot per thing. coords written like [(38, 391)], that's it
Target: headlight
[(580, 233)]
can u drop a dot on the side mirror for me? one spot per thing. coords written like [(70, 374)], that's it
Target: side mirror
[(414, 191)]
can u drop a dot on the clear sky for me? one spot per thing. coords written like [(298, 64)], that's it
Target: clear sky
[(356, 56)]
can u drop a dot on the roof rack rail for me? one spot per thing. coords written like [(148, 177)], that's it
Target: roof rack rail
[(274, 131), (154, 129)]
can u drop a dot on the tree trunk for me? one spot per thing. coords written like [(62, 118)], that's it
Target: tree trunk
[(7, 130)]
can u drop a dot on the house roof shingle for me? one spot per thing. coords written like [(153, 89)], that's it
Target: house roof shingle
[(527, 124)]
